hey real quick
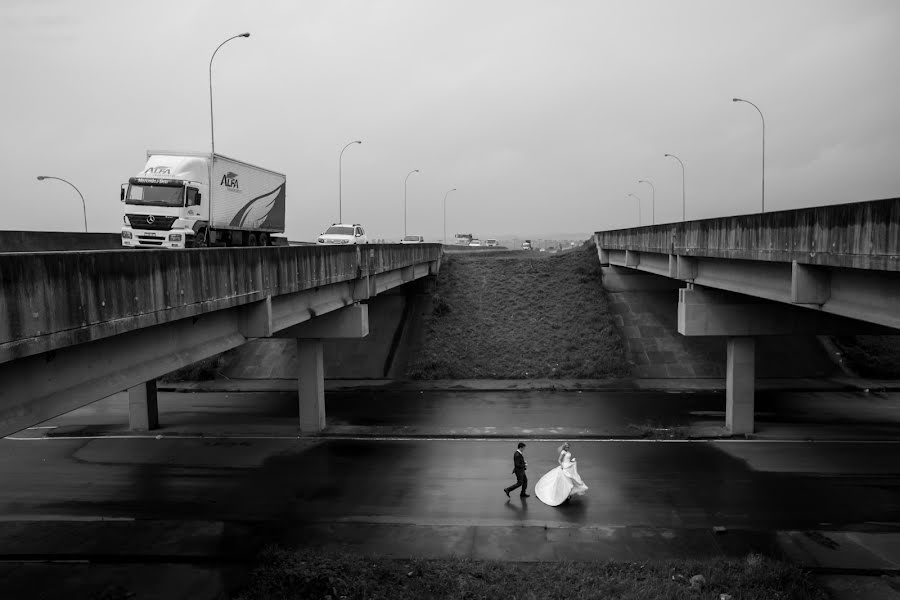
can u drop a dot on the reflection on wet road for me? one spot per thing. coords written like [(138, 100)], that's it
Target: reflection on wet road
[(755, 485)]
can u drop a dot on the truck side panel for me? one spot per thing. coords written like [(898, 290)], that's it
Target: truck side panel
[(246, 197)]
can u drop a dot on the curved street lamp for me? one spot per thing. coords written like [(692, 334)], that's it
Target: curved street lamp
[(639, 209), (653, 199), (83, 205), (212, 131), (340, 161), (445, 214), (763, 148), (404, 199), (682, 184)]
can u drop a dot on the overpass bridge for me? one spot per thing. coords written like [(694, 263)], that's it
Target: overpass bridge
[(824, 270), (78, 326)]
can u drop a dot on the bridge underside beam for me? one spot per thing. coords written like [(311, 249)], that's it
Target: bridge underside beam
[(702, 311), (865, 295), (43, 386), (705, 311), (620, 279), (350, 322)]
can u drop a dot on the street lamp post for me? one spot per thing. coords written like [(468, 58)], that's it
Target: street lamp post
[(340, 161), (682, 185), (640, 220), (445, 214), (653, 199), (404, 199), (212, 131), (83, 205), (763, 148)]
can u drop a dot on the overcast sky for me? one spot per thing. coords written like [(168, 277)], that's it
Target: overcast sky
[(543, 115)]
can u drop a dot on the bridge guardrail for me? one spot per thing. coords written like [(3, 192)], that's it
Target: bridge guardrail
[(863, 235)]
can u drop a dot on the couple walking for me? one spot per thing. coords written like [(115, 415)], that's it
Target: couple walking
[(557, 485)]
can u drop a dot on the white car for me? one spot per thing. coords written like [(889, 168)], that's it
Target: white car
[(475, 243), (343, 233), (413, 239), (490, 243)]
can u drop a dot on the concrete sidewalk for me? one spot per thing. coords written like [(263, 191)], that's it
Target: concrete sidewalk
[(818, 418), (694, 384)]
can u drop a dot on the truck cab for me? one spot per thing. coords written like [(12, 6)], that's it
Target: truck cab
[(165, 203)]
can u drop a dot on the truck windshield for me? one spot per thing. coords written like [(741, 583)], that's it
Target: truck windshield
[(155, 195)]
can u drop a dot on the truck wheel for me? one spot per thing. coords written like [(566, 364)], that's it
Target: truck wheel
[(264, 239), (251, 239)]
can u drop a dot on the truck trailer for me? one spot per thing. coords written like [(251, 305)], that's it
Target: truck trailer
[(198, 199)]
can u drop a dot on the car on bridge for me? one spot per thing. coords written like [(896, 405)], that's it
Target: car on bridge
[(413, 239), (343, 233)]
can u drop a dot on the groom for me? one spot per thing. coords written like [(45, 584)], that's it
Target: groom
[(519, 466)]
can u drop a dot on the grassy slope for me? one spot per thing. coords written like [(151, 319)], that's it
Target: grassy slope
[(312, 574), (875, 356), (519, 315)]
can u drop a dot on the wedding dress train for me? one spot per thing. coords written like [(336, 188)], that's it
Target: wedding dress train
[(561, 483)]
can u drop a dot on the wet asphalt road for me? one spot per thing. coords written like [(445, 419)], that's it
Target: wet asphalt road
[(740, 484), (174, 516), (756, 485)]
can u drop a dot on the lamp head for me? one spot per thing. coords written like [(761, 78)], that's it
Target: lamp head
[(358, 142), (41, 178), (667, 155), (736, 100), (245, 34)]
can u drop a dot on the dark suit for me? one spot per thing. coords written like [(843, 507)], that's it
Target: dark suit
[(519, 471)]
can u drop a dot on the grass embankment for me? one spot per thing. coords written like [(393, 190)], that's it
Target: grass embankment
[(309, 574), (876, 356), (519, 315)]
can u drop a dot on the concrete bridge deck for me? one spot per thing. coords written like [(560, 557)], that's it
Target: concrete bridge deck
[(823, 270), (78, 326)]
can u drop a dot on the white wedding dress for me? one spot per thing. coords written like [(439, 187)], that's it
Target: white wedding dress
[(561, 483)]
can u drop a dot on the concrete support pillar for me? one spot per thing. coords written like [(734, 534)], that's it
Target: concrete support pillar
[(311, 385), (740, 384), (143, 410)]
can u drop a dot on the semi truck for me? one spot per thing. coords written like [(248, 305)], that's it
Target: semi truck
[(197, 199)]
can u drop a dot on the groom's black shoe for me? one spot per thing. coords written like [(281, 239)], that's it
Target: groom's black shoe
[(525, 495), (507, 492)]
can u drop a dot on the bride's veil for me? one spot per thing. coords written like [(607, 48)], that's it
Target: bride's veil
[(560, 449)]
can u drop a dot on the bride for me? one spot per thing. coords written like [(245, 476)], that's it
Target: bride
[(561, 483)]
